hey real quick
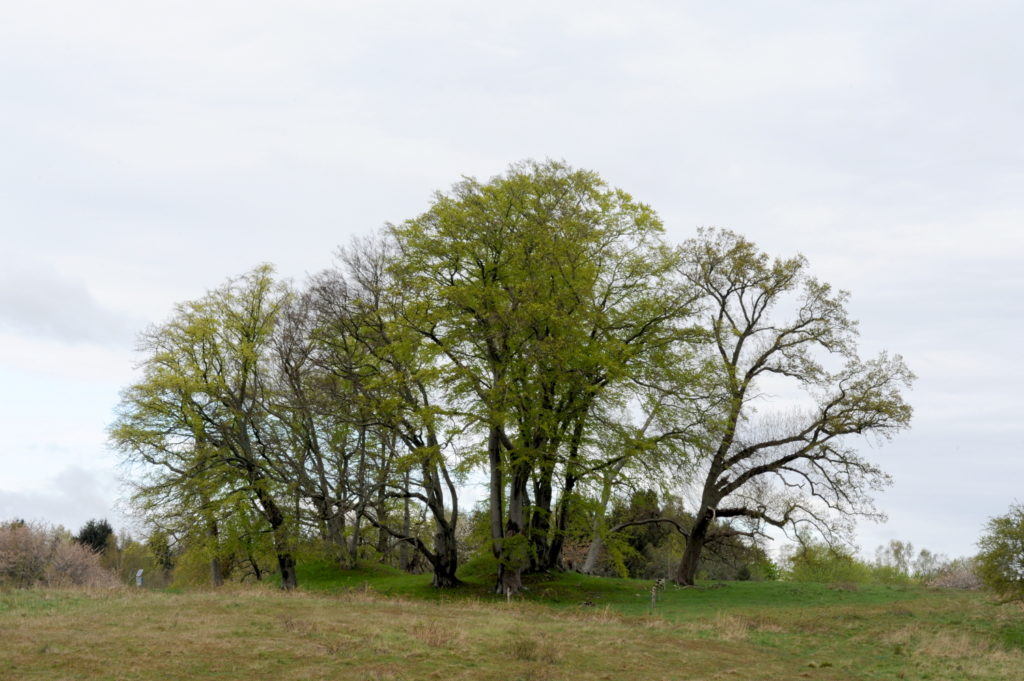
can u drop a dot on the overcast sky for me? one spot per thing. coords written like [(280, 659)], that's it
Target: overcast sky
[(149, 150)]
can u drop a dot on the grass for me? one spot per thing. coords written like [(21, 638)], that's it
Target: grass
[(378, 624)]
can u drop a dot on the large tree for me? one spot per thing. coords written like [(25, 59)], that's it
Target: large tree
[(539, 289), (197, 422), (777, 331), (391, 371)]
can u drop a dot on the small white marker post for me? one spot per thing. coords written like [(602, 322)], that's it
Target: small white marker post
[(138, 577)]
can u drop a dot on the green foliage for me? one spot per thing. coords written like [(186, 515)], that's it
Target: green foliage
[(535, 324), (818, 562), (95, 534), (1000, 563), (766, 569)]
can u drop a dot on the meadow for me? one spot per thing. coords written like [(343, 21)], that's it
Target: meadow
[(377, 624)]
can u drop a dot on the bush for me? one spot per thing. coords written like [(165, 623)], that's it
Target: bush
[(814, 562), (24, 553), (961, 573), (74, 564), (35, 556), (1000, 564)]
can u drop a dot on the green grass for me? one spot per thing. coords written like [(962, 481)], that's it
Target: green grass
[(377, 623)]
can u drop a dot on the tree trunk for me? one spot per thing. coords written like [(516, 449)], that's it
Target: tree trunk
[(446, 559), (593, 553), (503, 538), (353, 552), (403, 547), (216, 576), (336, 534), (286, 564), (515, 547), (382, 516), (598, 528), (282, 542), (554, 558), (687, 571), (540, 518)]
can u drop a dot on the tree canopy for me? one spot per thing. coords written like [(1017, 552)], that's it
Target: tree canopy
[(535, 329)]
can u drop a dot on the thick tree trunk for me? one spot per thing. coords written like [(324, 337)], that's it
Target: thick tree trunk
[(593, 553), (336, 534), (540, 519), (353, 552), (686, 574), (554, 557), (382, 515), (216, 578), (332, 527), (446, 560), (515, 547), (497, 503), (508, 542), (286, 564)]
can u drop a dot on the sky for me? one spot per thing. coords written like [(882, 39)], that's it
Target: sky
[(150, 150)]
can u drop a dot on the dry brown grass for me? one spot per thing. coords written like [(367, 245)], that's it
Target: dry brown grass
[(253, 634), (250, 633), (437, 633), (731, 627)]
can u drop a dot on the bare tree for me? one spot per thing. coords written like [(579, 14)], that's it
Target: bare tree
[(798, 466)]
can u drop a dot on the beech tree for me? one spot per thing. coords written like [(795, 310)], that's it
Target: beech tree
[(768, 318), (197, 420), (539, 289), (537, 326), (392, 373)]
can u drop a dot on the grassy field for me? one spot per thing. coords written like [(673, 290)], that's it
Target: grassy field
[(377, 625)]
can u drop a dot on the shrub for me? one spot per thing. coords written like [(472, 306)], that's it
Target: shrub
[(956, 574), (814, 562), (24, 553), (74, 564), (35, 556)]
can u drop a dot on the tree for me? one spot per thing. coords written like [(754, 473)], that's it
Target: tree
[(198, 424), (539, 290), (391, 372), (773, 327), (1000, 563), (95, 534)]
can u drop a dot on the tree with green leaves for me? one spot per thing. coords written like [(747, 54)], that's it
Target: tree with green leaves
[(197, 422), (391, 372), (774, 328), (538, 289), (1000, 563)]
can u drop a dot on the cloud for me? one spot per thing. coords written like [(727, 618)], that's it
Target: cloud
[(42, 303), (71, 498)]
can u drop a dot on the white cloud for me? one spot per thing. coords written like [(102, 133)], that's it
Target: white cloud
[(70, 498)]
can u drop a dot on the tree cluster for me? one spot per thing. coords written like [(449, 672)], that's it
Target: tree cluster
[(536, 329)]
